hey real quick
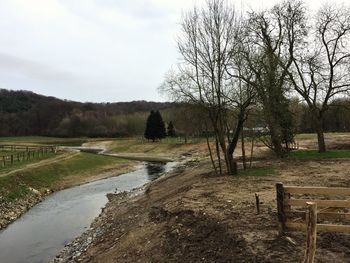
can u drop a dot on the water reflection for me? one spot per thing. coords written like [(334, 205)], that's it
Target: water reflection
[(43, 231), (155, 170)]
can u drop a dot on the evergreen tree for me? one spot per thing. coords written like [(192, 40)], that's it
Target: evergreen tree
[(171, 129), (155, 127), (149, 131), (160, 130)]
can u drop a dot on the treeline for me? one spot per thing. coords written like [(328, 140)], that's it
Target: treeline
[(336, 118), (24, 113)]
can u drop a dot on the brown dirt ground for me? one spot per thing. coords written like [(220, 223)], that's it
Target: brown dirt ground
[(195, 216)]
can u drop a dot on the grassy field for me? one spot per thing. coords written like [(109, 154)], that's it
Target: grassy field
[(41, 140), (22, 163), (7, 152), (48, 177), (138, 145), (314, 154), (313, 136)]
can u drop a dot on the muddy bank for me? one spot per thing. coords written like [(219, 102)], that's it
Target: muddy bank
[(194, 216)]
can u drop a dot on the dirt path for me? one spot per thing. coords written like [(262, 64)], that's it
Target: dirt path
[(61, 157)]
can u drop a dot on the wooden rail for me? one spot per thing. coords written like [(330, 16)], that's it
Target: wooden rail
[(335, 202), (30, 152), (21, 147), (297, 211)]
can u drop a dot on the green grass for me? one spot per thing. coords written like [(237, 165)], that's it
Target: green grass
[(313, 136), (262, 171), (7, 152), (48, 177), (43, 140), (314, 154), (22, 163), (138, 145)]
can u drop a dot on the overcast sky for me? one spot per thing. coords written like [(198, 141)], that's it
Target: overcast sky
[(92, 50)]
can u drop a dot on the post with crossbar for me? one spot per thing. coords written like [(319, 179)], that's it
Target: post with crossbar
[(311, 232), (280, 208)]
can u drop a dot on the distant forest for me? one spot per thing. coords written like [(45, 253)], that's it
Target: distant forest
[(27, 113), (24, 113)]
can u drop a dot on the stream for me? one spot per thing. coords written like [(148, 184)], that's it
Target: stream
[(41, 233)]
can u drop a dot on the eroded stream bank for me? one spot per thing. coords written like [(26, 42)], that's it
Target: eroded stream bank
[(45, 229)]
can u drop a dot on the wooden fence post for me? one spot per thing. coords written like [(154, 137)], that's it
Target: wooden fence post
[(311, 232), (280, 208), (4, 161), (257, 202)]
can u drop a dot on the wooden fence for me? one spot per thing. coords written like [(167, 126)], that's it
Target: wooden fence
[(312, 210), (335, 210), (24, 153)]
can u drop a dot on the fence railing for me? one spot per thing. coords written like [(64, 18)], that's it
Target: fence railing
[(312, 210), (335, 210), (20, 153)]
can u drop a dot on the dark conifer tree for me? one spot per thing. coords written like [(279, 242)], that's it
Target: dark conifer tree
[(150, 131), (155, 127), (160, 130), (171, 129)]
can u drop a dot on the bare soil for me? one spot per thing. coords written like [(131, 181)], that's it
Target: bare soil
[(192, 215)]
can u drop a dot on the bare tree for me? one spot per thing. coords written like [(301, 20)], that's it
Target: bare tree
[(321, 69), (266, 61), (206, 47)]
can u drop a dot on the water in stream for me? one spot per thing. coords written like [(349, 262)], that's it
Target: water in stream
[(46, 228)]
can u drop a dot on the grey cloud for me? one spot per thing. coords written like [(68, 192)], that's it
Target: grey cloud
[(33, 69), (139, 8)]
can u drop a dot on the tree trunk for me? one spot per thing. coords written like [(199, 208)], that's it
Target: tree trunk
[(320, 135), (276, 140), (243, 151), (210, 153), (251, 152), (218, 154), (231, 163)]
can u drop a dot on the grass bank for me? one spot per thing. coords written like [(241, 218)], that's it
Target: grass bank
[(314, 154), (139, 145), (23, 163), (24, 188), (50, 176), (42, 140)]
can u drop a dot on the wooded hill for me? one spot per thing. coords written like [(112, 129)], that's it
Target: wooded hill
[(27, 113)]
